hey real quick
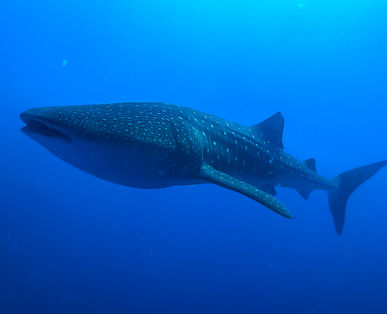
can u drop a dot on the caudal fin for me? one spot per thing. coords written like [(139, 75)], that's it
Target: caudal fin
[(348, 182)]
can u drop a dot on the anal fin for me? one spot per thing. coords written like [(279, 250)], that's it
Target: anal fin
[(222, 179), (304, 192)]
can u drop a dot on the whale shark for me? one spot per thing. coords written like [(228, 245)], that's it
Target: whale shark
[(155, 145)]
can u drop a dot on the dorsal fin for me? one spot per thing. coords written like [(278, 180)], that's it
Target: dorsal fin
[(311, 164), (271, 129)]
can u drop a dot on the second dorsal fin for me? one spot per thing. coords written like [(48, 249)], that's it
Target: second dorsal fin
[(271, 129), (311, 164)]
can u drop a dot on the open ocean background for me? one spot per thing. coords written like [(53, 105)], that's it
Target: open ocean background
[(72, 243)]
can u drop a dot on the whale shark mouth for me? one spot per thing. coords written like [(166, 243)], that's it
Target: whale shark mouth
[(37, 125)]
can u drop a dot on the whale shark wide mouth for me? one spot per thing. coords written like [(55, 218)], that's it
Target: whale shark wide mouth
[(37, 125)]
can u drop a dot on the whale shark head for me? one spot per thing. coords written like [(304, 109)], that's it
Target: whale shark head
[(68, 123), (122, 143), (42, 126)]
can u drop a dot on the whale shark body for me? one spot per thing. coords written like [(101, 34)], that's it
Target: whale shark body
[(156, 145)]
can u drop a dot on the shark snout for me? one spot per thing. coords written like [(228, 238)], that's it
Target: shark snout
[(32, 115), (38, 122)]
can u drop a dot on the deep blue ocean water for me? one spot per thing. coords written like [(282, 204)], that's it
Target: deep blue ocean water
[(72, 243)]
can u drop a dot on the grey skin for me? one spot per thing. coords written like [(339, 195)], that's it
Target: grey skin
[(156, 145)]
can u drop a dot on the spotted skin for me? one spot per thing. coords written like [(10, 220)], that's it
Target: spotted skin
[(155, 145)]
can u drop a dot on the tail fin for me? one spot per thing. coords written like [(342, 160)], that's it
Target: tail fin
[(348, 182)]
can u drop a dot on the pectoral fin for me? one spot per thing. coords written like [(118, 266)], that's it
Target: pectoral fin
[(217, 177)]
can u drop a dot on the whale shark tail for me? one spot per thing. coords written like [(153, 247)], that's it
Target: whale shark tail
[(347, 183)]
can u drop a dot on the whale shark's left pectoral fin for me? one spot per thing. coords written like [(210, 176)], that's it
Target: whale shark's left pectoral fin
[(220, 178)]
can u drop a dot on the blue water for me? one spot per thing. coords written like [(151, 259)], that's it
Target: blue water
[(72, 243)]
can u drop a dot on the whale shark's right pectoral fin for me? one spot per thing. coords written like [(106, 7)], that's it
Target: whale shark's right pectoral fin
[(220, 178)]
